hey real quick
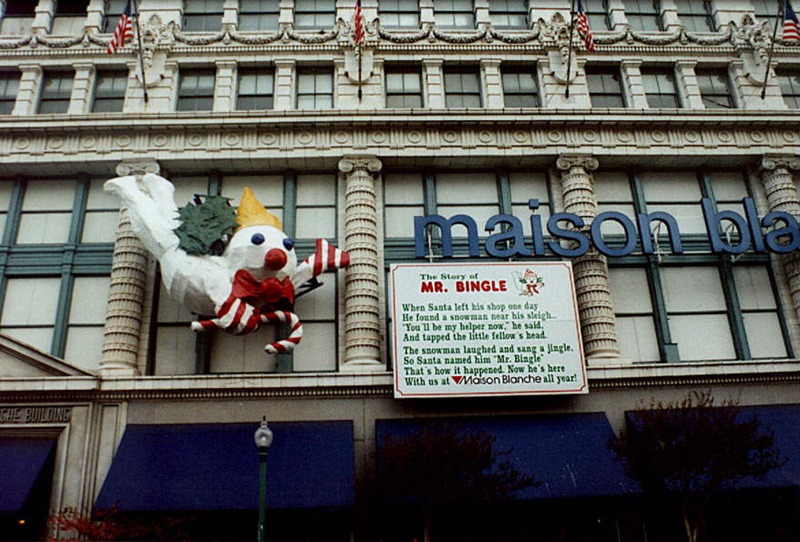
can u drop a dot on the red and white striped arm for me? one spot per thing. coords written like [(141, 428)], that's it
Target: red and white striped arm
[(326, 257), (295, 334), (234, 316)]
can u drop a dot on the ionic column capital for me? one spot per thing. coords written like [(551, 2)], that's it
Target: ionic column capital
[(566, 162), (349, 164), (138, 167), (772, 162)]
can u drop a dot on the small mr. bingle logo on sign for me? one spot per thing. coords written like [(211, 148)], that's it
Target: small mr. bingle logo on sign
[(528, 283)]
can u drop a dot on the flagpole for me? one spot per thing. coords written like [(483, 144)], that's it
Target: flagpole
[(778, 21), (358, 49), (569, 54), (141, 50)]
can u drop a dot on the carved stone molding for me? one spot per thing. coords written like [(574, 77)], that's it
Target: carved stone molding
[(137, 167)]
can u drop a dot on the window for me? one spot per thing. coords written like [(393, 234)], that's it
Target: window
[(659, 87), (9, 87), (69, 16), (314, 14), (17, 17), (605, 86), (695, 15), (403, 88), (314, 88), (71, 7), (56, 92), (789, 81), (520, 88), (109, 92), (399, 13), (715, 88), (702, 306), (462, 88), (305, 203), (111, 12), (196, 90), (454, 14), (202, 15), (54, 298), (766, 10), (643, 14), (256, 89), (597, 13), (508, 14), (258, 15)]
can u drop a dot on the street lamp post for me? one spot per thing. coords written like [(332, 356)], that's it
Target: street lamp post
[(263, 438)]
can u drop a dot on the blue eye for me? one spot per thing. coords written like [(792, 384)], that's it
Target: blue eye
[(288, 244), (257, 239)]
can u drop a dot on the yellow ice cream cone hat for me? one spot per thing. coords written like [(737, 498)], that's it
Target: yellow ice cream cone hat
[(252, 213)]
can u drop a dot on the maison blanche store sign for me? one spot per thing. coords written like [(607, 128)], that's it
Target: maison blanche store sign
[(486, 329)]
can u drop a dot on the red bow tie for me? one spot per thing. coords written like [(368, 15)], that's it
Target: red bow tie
[(270, 293)]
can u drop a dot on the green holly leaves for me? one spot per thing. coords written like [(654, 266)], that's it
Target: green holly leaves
[(206, 226)]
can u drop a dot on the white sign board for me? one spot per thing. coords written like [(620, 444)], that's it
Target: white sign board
[(473, 329)]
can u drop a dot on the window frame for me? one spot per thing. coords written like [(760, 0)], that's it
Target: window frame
[(509, 13), (258, 18), (605, 71), (655, 72), (73, 258), (400, 9), (447, 16), (713, 94), (9, 89), (694, 20), (403, 95), (697, 255), (645, 19), (317, 96), (314, 15), (461, 93), (256, 72), (207, 19), (56, 101), (790, 91), (535, 93), (187, 96), (112, 97)]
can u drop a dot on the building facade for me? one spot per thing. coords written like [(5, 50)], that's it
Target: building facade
[(476, 108)]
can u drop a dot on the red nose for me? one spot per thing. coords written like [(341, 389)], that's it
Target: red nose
[(275, 259)]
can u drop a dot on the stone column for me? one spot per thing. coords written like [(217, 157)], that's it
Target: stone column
[(125, 312), (598, 324), (782, 196), (362, 295)]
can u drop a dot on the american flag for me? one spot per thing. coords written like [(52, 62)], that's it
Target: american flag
[(358, 24), (123, 32), (791, 25), (582, 24)]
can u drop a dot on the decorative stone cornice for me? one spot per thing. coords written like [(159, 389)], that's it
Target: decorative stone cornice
[(745, 34)]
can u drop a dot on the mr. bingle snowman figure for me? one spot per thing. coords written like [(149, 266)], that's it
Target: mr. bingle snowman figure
[(255, 278)]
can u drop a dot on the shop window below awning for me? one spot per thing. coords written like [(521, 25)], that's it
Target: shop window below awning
[(568, 454), (215, 467), (21, 462)]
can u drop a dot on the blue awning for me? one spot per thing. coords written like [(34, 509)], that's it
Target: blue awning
[(783, 421), (568, 454), (215, 467), (21, 461)]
